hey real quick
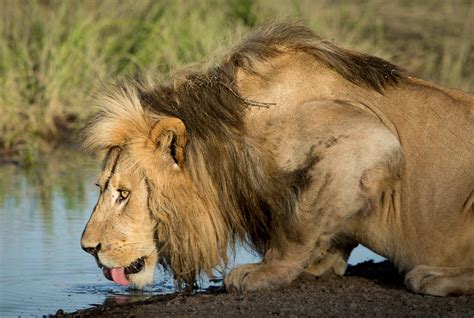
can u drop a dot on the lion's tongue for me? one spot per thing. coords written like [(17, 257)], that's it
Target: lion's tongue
[(118, 276)]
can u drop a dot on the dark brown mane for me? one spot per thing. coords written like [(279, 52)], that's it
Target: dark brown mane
[(207, 101), (273, 39)]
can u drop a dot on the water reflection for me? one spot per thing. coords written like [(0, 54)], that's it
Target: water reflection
[(63, 174), (43, 210)]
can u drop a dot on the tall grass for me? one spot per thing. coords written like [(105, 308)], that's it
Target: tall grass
[(55, 54)]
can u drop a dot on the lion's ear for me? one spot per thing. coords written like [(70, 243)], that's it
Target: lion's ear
[(169, 134)]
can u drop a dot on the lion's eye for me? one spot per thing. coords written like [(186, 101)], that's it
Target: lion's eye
[(123, 194)]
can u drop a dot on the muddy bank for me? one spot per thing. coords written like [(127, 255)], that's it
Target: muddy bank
[(368, 289)]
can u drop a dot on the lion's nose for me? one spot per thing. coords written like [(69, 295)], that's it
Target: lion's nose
[(92, 250)]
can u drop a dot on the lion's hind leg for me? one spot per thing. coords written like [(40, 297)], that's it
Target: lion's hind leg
[(441, 281)]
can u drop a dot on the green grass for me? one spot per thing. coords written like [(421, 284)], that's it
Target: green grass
[(55, 54)]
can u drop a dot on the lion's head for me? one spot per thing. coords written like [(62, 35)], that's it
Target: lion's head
[(149, 209), (120, 232)]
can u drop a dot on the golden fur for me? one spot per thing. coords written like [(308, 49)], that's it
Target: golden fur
[(298, 147)]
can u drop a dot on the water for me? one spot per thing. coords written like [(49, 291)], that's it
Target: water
[(43, 210)]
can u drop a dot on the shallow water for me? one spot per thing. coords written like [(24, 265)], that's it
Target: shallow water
[(43, 210)]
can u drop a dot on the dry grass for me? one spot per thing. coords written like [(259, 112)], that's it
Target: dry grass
[(55, 54)]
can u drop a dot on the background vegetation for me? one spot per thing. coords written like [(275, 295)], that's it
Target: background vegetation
[(55, 54)]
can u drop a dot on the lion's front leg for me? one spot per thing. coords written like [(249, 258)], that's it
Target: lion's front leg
[(318, 220), (280, 266), (329, 201), (273, 272)]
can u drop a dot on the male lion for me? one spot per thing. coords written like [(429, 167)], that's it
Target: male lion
[(296, 146)]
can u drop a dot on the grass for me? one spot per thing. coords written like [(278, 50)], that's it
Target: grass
[(55, 54)]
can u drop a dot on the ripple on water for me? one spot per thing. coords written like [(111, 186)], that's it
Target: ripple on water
[(119, 294), (109, 289)]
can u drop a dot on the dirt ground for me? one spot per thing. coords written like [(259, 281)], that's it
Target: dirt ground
[(368, 289)]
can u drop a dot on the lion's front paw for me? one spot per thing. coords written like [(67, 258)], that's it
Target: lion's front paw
[(237, 278), (252, 277)]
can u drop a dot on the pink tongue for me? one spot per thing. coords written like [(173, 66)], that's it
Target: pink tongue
[(118, 275)]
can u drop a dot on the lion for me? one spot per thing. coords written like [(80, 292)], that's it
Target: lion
[(298, 147)]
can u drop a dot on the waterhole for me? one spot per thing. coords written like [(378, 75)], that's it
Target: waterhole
[(43, 210)]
